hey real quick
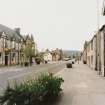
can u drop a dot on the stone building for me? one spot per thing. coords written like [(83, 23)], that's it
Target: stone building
[(12, 44), (94, 52), (29, 43), (57, 55), (101, 51), (47, 55), (89, 53)]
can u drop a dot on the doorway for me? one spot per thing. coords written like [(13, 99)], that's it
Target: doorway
[(6, 60)]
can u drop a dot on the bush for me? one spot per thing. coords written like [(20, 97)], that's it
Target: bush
[(72, 62), (26, 64), (38, 60), (33, 92), (46, 62), (84, 62), (69, 65)]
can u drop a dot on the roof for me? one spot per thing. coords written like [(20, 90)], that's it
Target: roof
[(102, 28), (10, 33)]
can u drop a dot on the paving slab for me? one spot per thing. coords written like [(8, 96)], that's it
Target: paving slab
[(82, 86)]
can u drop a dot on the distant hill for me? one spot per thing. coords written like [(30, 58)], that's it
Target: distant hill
[(71, 53)]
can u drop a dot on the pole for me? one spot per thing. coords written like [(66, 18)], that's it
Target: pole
[(99, 39)]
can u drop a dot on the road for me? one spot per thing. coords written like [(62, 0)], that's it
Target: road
[(19, 74)]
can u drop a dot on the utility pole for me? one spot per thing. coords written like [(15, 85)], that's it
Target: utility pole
[(98, 39)]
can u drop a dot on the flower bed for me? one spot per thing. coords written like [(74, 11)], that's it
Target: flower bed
[(33, 92)]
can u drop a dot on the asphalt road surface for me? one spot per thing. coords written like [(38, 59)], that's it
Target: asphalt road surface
[(19, 74)]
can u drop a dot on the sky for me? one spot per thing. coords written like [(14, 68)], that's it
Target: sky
[(62, 24)]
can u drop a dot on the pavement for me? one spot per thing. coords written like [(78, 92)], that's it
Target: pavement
[(82, 86)]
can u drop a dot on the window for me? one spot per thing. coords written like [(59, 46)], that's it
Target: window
[(91, 59), (92, 45)]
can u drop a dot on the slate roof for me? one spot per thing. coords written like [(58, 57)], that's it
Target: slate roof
[(102, 28), (11, 34)]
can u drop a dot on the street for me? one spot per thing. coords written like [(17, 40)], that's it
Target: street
[(82, 86), (18, 74)]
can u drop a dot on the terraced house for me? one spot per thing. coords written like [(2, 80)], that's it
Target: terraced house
[(94, 52), (89, 53), (12, 44)]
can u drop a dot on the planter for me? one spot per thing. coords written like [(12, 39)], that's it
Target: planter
[(46, 62), (26, 64), (69, 65), (84, 62), (37, 62), (72, 62)]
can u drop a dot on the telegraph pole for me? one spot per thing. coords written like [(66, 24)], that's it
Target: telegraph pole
[(98, 39)]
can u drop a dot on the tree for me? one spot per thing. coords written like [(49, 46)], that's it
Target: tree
[(29, 53)]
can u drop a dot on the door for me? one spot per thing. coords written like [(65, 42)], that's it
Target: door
[(6, 60)]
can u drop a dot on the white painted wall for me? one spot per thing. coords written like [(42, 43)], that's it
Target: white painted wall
[(48, 57)]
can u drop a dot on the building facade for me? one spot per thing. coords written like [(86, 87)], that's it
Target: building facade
[(11, 46), (57, 55), (47, 56), (101, 51), (94, 52), (89, 53)]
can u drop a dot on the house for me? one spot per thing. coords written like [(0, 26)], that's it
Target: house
[(89, 53), (12, 45), (47, 56), (101, 51), (57, 55), (94, 52), (30, 48)]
